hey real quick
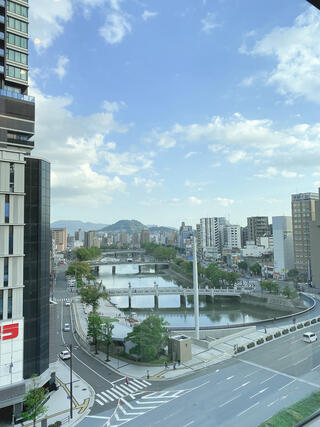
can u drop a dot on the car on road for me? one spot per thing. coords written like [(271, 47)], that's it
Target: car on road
[(65, 354), (68, 303), (66, 327), (309, 337)]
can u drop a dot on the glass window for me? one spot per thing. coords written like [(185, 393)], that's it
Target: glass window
[(17, 73), (1, 305), (12, 177), (6, 272), (10, 239), (16, 56), (6, 208), (17, 8), (16, 24), (10, 304), (17, 40)]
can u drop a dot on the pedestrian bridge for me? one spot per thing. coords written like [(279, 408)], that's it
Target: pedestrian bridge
[(157, 291), (157, 265)]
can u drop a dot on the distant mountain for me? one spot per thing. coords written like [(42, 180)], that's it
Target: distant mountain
[(73, 226), (160, 229), (125, 226)]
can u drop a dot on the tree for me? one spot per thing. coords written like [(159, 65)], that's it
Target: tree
[(95, 328), (34, 403), (90, 295), (243, 266), (79, 269), (293, 275), (106, 335), (286, 291), (256, 269), (269, 286), (150, 337), (85, 254)]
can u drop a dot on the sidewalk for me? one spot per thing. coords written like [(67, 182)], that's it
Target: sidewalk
[(201, 357), (58, 404)]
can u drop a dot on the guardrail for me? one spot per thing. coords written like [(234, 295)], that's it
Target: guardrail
[(156, 291)]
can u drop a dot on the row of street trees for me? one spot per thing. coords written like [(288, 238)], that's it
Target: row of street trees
[(159, 252), (87, 254), (273, 288), (254, 268)]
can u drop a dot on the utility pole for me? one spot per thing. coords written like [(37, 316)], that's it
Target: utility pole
[(71, 395), (195, 289)]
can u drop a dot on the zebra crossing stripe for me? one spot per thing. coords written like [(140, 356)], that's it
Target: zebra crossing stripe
[(107, 396), (100, 403), (145, 382), (128, 388), (141, 383), (102, 398), (117, 392), (110, 393), (136, 384)]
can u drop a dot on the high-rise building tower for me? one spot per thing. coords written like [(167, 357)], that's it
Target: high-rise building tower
[(315, 246), (303, 212), (23, 269), (283, 245), (258, 226)]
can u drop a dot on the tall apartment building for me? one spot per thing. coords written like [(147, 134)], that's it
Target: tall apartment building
[(211, 232), (303, 207), (315, 245), (24, 220), (59, 235), (145, 236), (258, 226), (231, 237), (244, 236), (282, 245), (89, 239), (185, 235)]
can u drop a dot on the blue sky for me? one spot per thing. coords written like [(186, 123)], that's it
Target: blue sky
[(172, 110)]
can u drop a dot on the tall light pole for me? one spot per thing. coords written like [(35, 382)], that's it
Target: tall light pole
[(195, 289)]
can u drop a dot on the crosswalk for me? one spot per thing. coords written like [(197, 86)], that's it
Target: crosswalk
[(127, 411), (119, 391), (61, 299)]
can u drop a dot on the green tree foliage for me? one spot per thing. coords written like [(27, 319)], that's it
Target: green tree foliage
[(86, 254), (269, 286), (150, 337), (256, 269), (293, 274), (159, 252), (220, 278), (106, 335), (243, 266), (289, 293), (79, 269), (95, 328), (90, 295), (34, 403)]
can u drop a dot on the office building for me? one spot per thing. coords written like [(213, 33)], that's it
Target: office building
[(185, 235), (145, 236), (315, 245), (211, 230), (24, 221), (231, 236), (59, 236), (282, 246), (89, 239), (303, 212), (244, 236), (258, 226)]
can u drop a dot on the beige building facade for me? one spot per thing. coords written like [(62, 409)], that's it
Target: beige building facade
[(59, 235)]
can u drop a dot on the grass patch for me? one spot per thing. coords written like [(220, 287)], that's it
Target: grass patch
[(290, 416)]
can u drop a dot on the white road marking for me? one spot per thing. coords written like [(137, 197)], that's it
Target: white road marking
[(189, 424), (142, 382), (228, 401), (119, 391), (316, 367), (246, 410), (259, 392), (126, 413), (300, 361), (100, 403), (151, 403), (120, 379), (242, 385), (124, 389), (268, 379), (101, 398), (251, 373), (229, 378), (286, 385), (284, 357), (107, 396), (272, 403)]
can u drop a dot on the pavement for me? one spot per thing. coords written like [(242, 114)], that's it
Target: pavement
[(58, 403)]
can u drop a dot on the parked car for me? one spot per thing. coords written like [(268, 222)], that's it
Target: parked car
[(309, 337), (65, 354), (66, 327)]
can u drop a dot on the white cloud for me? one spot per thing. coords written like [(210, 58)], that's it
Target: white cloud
[(209, 23), (224, 201), (194, 201), (237, 156), (297, 53), (198, 186), (165, 140), (149, 184), (115, 28), (272, 172), (60, 69), (113, 107), (190, 154), (48, 18), (126, 163), (147, 14)]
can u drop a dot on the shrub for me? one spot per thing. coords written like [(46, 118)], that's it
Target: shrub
[(293, 328), (306, 323), (260, 341), (269, 338), (313, 320), (299, 325), (277, 334), (240, 348), (285, 331), (318, 319), (251, 344)]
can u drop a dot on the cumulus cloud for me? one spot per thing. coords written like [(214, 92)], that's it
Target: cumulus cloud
[(60, 69), (194, 200), (272, 172), (113, 107), (198, 186), (115, 28), (209, 23), (224, 201), (126, 163), (149, 184), (147, 14), (297, 72), (190, 154), (237, 156)]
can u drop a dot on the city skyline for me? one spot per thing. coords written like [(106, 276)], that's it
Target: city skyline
[(215, 116)]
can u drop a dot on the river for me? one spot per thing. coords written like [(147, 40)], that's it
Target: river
[(222, 312)]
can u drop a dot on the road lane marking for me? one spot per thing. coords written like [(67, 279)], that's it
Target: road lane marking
[(284, 357), (151, 403), (248, 409), (100, 403), (242, 385), (300, 361), (228, 401), (189, 424), (106, 395), (315, 367), (259, 392), (301, 380), (102, 398), (229, 378), (286, 384), (268, 379), (252, 373), (272, 403)]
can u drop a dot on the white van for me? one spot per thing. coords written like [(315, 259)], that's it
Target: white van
[(309, 337)]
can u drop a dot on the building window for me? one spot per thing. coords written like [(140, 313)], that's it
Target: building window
[(14, 55), (10, 239), (16, 24), (17, 9), (10, 304), (6, 272), (16, 73), (6, 209), (17, 40), (11, 177), (1, 305)]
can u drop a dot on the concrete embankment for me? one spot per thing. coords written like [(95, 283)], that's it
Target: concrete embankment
[(273, 302)]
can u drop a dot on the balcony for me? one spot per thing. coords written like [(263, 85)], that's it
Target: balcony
[(15, 95)]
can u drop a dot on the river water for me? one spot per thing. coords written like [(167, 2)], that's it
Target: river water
[(222, 312)]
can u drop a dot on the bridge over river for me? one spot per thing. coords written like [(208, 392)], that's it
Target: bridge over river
[(158, 265), (156, 291)]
